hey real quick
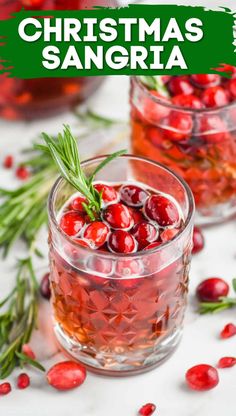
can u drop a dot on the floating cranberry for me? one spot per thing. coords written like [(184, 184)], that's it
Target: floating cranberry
[(71, 223), (202, 377), (96, 233), (198, 240), (133, 195), (154, 112), (168, 234), (66, 375), (27, 350), (228, 331), (23, 381), (129, 268), (211, 290), (156, 136), (226, 362), (109, 194), (8, 162), (118, 216), (121, 241), (145, 233), (180, 85), (5, 388), (77, 204), (45, 286), (147, 410), (152, 245), (82, 242), (100, 265), (206, 80), (137, 216), (188, 101), (214, 129), (215, 97), (162, 210), (178, 126), (22, 173)]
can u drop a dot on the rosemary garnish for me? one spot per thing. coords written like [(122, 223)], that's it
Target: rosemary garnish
[(18, 320), (155, 83), (223, 303)]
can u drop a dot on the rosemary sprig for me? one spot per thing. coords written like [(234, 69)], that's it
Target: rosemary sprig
[(155, 83), (64, 151), (18, 320), (223, 303)]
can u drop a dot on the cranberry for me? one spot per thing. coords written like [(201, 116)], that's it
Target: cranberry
[(153, 111), (152, 245), (180, 85), (118, 216), (213, 129), (23, 381), (228, 331), (177, 126), (215, 97), (109, 194), (211, 290), (162, 210), (202, 377), (133, 195), (8, 162), (129, 268), (147, 410), (77, 204), (188, 101), (26, 349), (96, 233), (66, 375), (144, 233), (136, 215), (82, 242), (22, 173), (45, 286), (5, 388), (71, 223), (205, 80), (168, 234), (226, 362), (157, 138), (121, 241), (198, 240), (232, 88)]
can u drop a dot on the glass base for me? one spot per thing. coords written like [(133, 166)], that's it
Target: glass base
[(215, 215), (119, 363)]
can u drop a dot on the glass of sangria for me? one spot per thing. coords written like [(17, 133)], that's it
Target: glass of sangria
[(35, 98), (188, 123), (119, 284)]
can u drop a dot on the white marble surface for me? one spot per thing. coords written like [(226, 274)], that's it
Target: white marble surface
[(100, 396)]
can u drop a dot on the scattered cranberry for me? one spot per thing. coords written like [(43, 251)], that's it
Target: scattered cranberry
[(178, 126), (215, 97), (23, 381), (96, 233), (211, 290), (180, 85), (133, 195), (118, 216), (147, 410), (162, 210), (26, 349), (198, 240), (45, 286), (66, 375), (5, 388), (206, 80), (8, 162), (153, 245), (109, 194), (228, 331), (77, 204), (226, 362), (202, 377), (144, 233), (22, 173), (121, 241), (188, 101), (71, 223)]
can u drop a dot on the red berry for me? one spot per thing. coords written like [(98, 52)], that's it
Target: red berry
[(45, 286), (23, 381), (215, 97), (8, 162), (202, 377), (162, 210), (211, 290), (118, 216), (180, 85), (121, 241), (198, 240), (109, 194), (82, 242), (96, 233), (5, 388), (188, 101), (26, 349), (76, 204), (205, 80), (22, 173), (133, 195), (178, 126), (66, 375), (228, 331), (168, 234), (214, 129), (147, 410), (145, 233), (232, 88), (71, 223), (153, 245), (153, 110), (226, 362), (137, 216)]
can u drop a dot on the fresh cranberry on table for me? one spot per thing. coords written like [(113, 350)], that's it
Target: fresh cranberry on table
[(202, 377), (228, 331), (22, 173), (188, 101), (180, 85), (133, 195), (212, 289), (121, 241), (45, 289), (198, 240), (23, 381), (147, 409), (71, 223), (66, 375), (96, 233), (226, 362), (205, 80), (118, 216), (108, 193), (162, 210), (145, 233), (5, 388), (8, 162), (215, 97)]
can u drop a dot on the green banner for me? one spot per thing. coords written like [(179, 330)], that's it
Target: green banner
[(138, 39)]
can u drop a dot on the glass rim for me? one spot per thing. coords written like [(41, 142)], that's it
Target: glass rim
[(171, 106), (88, 250)]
